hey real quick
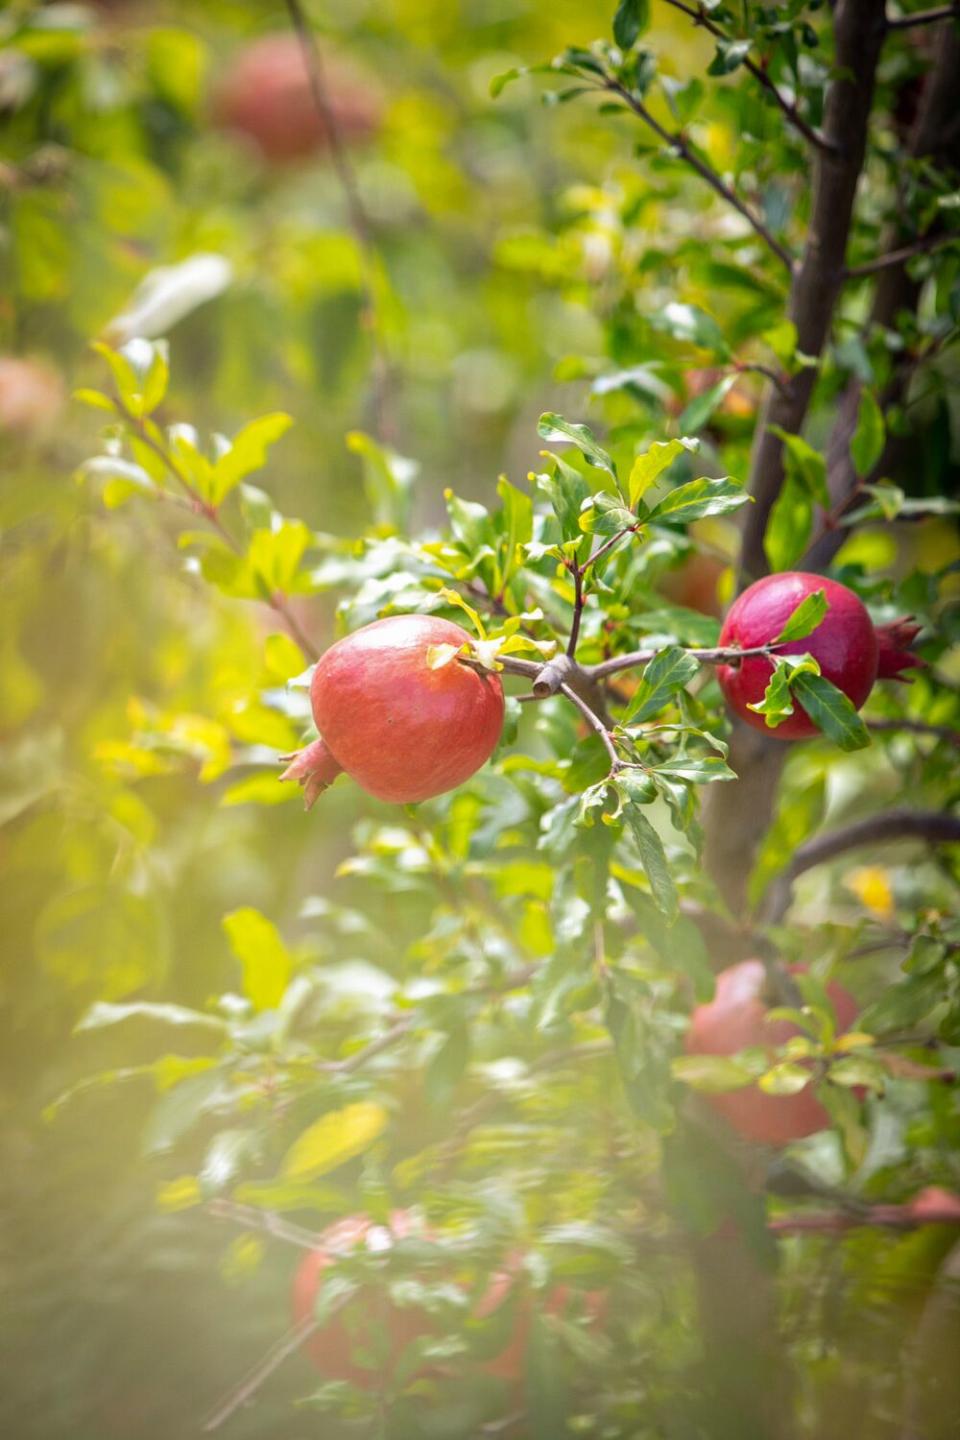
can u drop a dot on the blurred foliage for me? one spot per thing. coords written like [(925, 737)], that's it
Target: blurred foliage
[(193, 969)]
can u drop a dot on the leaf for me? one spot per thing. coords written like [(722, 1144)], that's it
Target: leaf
[(777, 703), (805, 464), (830, 710), (335, 1138), (266, 962), (168, 294), (653, 462), (652, 856), (179, 1194), (701, 407), (605, 514), (553, 427), (711, 1073), (697, 769), (631, 19), (662, 677), (102, 1014), (690, 323), (699, 498), (868, 440), (247, 453), (729, 57), (790, 525), (439, 656), (805, 618)]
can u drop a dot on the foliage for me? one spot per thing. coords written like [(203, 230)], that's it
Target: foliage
[(221, 1009)]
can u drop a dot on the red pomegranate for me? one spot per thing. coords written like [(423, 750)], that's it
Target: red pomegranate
[(31, 396), (850, 651), (402, 730), (362, 1317), (266, 96), (736, 1019), (935, 1206)]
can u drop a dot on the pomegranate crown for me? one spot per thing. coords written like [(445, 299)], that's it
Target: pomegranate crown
[(893, 643)]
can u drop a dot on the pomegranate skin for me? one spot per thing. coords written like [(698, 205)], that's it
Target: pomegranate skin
[(735, 1020), (266, 96), (405, 732), (510, 1364), (844, 644), (330, 1347)]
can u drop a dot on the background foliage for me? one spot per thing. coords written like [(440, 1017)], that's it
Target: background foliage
[(193, 968)]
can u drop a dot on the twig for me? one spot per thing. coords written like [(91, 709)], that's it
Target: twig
[(933, 826), (834, 1222), (359, 1058), (923, 246), (608, 545), (252, 1218), (678, 143), (596, 724), (923, 17), (700, 17), (356, 210), (286, 1346), (918, 727), (274, 599), (721, 655), (578, 603)]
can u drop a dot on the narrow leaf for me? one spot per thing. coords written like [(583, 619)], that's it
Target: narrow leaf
[(831, 710)]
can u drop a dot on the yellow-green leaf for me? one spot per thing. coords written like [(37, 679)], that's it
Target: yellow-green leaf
[(333, 1139)]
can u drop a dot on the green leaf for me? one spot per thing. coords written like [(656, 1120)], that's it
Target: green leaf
[(247, 453), (266, 962), (777, 703), (652, 856), (554, 427), (805, 618), (830, 710), (805, 464), (786, 1078), (691, 324), (102, 1014), (790, 525), (702, 406), (648, 466), (605, 514), (631, 19), (867, 443), (335, 1138), (697, 769), (712, 1074), (699, 498), (662, 677), (729, 57), (566, 490), (388, 479)]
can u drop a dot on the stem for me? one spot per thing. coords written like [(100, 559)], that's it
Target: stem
[(356, 210), (275, 600), (918, 727), (678, 143), (281, 1351), (578, 603), (608, 545), (923, 246), (835, 1222), (700, 17)]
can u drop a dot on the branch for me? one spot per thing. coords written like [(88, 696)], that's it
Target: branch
[(578, 604), (859, 30), (728, 655), (921, 17), (275, 600), (596, 724), (678, 143), (252, 1218), (789, 108), (835, 1222), (923, 246), (356, 211), (918, 727), (281, 1351), (933, 826)]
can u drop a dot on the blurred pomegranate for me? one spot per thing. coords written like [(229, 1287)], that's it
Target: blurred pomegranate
[(31, 397), (265, 96), (693, 583)]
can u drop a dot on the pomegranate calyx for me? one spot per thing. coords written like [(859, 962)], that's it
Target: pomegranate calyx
[(894, 653), (313, 767)]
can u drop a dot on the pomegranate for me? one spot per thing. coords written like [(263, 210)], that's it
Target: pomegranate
[(402, 730), (31, 396), (736, 1019), (935, 1206), (362, 1317), (851, 653), (266, 96)]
